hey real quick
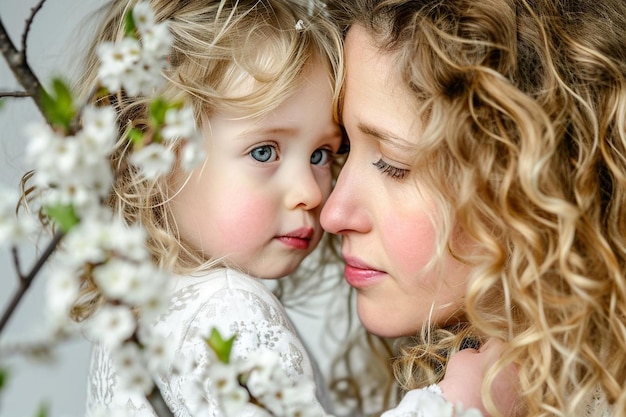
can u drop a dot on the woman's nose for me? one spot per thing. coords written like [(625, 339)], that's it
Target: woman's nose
[(346, 209)]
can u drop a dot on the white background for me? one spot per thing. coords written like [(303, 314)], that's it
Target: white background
[(56, 35)]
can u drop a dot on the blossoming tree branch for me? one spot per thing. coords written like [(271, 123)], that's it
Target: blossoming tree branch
[(70, 182)]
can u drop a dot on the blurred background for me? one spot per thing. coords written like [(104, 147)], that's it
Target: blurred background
[(57, 34)]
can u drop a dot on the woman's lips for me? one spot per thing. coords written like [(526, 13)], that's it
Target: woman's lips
[(358, 274)]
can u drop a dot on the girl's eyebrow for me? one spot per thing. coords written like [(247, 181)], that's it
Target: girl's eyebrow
[(268, 130)]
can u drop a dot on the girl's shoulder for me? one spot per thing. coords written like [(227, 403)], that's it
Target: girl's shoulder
[(428, 402), (225, 299), (218, 284)]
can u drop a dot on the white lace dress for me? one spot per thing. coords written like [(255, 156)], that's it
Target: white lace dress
[(228, 300), (429, 402)]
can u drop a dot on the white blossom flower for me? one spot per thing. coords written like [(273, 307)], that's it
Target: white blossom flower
[(110, 325), (143, 15), (263, 373), (153, 305), (300, 400), (115, 60), (136, 64), (142, 78), (158, 353), (153, 160), (14, 230), (127, 356), (232, 397), (83, 244), (127, 240), (72, 170), (62, 290), (179, 123), (157, 41), (99, 131), (137, 378), (113, 278), (192, 154), (8, 201), (198, 404)]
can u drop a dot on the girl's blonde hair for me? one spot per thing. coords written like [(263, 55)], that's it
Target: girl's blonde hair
[(524, 145), (218, 46)]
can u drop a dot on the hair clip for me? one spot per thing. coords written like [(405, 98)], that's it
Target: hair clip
[(300, 25)]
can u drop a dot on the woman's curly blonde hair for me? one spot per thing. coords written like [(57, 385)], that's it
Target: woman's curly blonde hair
[(216, 45), (524, 145)]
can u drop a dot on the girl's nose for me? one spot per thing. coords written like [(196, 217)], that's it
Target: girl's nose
[(304, 191)]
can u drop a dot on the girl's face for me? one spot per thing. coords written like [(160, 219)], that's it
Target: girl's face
[(381, 210), (256, 201)]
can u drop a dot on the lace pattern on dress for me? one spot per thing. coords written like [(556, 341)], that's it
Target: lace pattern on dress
[(230, 301)]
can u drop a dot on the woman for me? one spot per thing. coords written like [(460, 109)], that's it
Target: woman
[(484, 197)]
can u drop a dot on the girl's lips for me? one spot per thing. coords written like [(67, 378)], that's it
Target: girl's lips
[(359, 275), (297, 239), (295, 242)]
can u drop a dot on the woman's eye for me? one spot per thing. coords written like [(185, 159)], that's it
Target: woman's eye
[(321, 156), (265, 153), (391, 171)]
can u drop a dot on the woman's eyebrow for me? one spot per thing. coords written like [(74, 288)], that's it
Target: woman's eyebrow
[(384, 136)]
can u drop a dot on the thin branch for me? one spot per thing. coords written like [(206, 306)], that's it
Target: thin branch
[(14, 94), (20, 68), (29, 22), (26, 280), (158, 403), (16, 262)]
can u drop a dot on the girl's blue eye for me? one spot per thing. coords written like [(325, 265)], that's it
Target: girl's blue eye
[(321, 157), (393, 172), (265, 153)]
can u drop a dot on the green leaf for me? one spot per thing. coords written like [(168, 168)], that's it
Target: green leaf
[(135, 136), (220, 346), (130, 29), (63, 216), (4, 375), (43, 410), (58, 106), (158, 108)]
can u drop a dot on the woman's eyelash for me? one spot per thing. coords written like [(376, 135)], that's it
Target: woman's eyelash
[(393, 172)]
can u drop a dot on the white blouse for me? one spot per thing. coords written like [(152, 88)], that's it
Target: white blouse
[(230, 301)]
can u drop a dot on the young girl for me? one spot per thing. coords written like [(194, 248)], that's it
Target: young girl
[(484, 199), (261, 78)]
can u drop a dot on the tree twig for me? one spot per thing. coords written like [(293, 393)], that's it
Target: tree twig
[(29, 22), (14, 94), (20, 68), (26, 280), (158, 403)]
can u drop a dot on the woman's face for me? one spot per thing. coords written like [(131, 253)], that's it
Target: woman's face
[(381, 210)]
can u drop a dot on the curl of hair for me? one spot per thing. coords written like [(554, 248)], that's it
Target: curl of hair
[(524, 104)]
